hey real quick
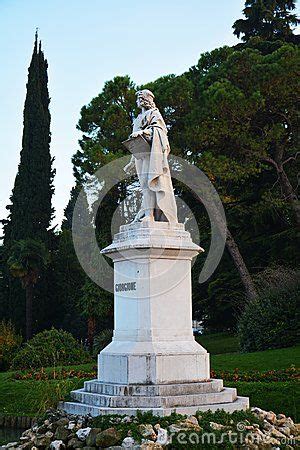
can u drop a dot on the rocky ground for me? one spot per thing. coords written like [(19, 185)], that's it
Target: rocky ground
[(257, 429)]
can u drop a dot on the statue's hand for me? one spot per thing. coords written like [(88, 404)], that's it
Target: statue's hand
[(129, 167), (136, 134)]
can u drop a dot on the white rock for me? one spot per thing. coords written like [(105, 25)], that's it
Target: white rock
[(162, 435), (128, 442), (57, 445), (83, 433), (126, 419), (174, 428), (147, 431), (267, 426), (71, 425), (277, 434), (285, 430), (271, 417), (216, 426)]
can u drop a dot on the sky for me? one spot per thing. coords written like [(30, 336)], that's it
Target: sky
[(87, 43)]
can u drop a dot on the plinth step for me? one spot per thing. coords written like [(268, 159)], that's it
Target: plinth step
[(99, 387), (240, 403), (227, 395)]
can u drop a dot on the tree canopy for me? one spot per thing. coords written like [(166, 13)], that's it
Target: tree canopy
[(267, 19)]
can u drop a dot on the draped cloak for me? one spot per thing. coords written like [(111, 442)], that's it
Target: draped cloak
[(158, 174)]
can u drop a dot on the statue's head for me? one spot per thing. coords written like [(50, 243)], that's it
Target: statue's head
[(145, 99)]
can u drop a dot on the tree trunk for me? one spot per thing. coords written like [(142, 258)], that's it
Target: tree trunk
[(91, 330), (239, 263), (234, 252), (287, 190), (29, 301), (289, 194)]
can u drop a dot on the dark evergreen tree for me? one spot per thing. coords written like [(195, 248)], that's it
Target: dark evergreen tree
[(69, 275), (67, 220), (27, 259), (267, 19), (30, 211)]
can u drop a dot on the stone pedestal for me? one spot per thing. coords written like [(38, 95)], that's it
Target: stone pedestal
[(153, 362)]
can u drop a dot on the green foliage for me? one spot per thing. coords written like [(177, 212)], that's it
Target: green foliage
[(10, 342), (27, 259), (17, 395), (271, 321), (48, 393), (267, 360), (267, 19), (271, 396), (102, 340), (245, 124), (94, 301), (290, 374), (234, 115), (25, 398), (50, 348), (204, 419), (68, 281), (57, 373), (105, 122), (30, 210), (219, 343)]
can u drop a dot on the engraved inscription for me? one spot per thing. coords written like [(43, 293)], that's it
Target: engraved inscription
[(121, 287)]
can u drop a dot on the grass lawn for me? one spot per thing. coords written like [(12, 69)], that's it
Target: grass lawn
[(281, 358), (280, 397), (31, 398), (218, 343)]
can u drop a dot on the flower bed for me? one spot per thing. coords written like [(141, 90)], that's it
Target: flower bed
[(290, 374), (58, 374)]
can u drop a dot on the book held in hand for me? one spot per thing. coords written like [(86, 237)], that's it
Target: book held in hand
[(138, 146)]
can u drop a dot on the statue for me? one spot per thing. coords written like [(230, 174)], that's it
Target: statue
[(152, 166)]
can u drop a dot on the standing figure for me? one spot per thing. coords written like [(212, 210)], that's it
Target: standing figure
[(152, 168)]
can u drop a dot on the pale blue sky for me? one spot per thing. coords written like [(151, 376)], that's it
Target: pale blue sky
[(87, 43)]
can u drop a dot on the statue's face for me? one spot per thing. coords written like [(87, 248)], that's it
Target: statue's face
[(140, 101)]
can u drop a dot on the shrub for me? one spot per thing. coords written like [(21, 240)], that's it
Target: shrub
[(102, 340), (10, 342), (271, 321), (50, 348)]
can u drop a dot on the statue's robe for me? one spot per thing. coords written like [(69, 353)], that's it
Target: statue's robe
[(153, 170)]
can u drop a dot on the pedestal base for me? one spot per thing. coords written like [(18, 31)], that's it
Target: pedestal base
[(98, 398), (153, 362)]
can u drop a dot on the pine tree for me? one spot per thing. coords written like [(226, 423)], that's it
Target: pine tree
[(267, 19), (30, 210)]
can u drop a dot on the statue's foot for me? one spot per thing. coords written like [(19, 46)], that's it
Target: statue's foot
[(148, 219), (139, 217)]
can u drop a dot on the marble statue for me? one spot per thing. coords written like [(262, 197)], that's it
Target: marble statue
[(152, 167)]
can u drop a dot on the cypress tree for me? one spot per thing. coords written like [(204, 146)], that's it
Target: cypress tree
[(30, 210)]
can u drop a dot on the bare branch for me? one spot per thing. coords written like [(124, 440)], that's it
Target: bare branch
[(291, 158), (271, 162)]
